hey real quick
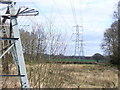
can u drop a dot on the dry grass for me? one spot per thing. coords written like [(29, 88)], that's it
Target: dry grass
[(73, 76), (70, 76)]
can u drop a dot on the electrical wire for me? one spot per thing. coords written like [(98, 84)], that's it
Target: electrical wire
[(81, 23), (81, 12), (59, 11), (73, 12), (41, 12), (47, 19), (26, 20)]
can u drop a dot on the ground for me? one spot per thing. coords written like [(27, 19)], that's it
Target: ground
[(69, 76)]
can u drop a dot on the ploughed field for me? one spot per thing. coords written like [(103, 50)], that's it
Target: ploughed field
[(67, 76)]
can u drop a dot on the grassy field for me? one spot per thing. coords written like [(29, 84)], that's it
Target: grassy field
[(72, 60), (67, 76)]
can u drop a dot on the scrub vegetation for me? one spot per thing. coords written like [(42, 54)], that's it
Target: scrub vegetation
[(46, 75)]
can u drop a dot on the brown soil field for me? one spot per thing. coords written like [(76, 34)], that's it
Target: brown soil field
[(67, 76)]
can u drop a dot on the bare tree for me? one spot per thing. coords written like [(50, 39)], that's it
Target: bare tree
[(41, 42), (33, 44)]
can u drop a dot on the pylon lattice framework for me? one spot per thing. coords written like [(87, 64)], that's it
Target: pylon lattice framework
[(11, 34), (79, 49)]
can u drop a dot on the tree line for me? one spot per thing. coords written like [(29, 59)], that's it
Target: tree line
[(38, 43), (110, 41)]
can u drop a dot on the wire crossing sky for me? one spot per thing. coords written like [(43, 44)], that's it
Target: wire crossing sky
[(97, 16)]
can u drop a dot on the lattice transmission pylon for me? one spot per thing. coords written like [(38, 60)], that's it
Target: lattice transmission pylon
[(79, 49), (12, 36)]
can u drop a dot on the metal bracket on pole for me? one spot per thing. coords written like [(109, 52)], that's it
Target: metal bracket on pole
[(6, 51), (27, 12)]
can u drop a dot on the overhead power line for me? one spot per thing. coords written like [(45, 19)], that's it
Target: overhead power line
[(41, 12), (73, 11), (60, 13)]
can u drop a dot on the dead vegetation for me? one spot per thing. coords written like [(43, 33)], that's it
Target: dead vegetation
[(69, 76)]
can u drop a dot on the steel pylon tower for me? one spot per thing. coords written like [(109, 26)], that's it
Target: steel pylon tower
[(12, 36), (79, 49)]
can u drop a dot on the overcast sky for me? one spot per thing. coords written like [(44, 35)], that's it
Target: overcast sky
[(97, 16)]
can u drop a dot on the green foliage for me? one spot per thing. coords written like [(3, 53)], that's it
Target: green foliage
[(72, 60)]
